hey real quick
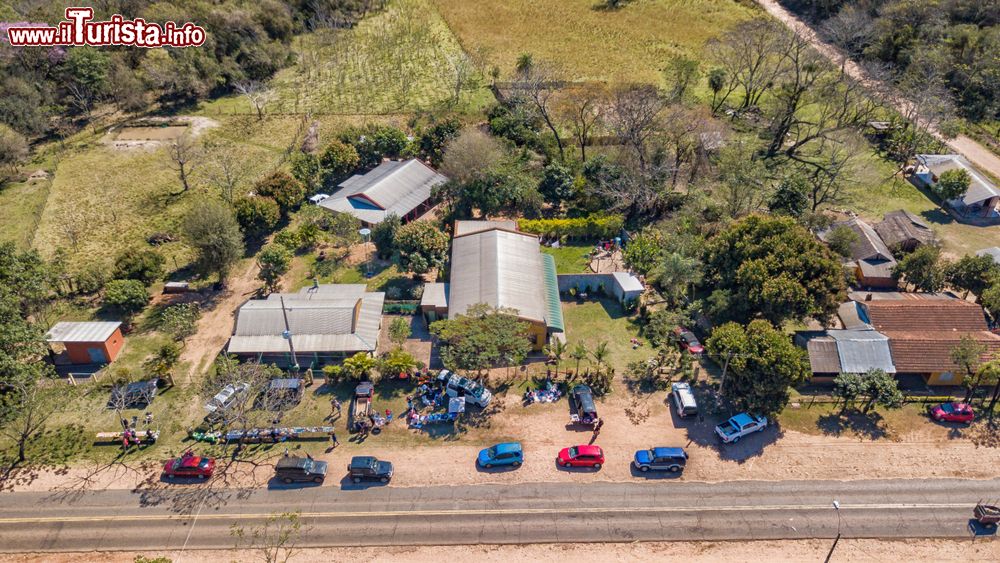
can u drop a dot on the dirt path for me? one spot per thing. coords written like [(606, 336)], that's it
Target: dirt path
[(979, 155), (216, 323)]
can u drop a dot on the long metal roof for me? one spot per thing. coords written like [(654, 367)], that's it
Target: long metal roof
[(863, 350), (393, 187), (91, 331), (499, 268), (330, 318), (553, 314), (980, 188)]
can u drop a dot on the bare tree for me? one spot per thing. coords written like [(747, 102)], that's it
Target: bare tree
[(254, 407), (224, 171), (582, 107), (829, 176), (633, 116), (275, 541), (470, 153), (803, 67), (25, 408), (749, 54), (923, 100), (539, 83), (462, 71), (852, 29), (257, 93), (185, 154)]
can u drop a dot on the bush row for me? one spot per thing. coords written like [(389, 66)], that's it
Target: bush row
[(592, 226)]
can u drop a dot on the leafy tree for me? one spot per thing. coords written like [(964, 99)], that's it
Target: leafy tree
[(482, 338), (601, 353), (422, 247), (848, 387), (675, 274), (762, 364), (659, 329), (384, 235), (716, 82), (289, 239), (179, 320), (25, 408), (286, 191), (772, 268), (972, 274), (145, 265), (681, 74), (790, 198), (556, 349), (257, 215), (841, 239), (338, 160), (399, 331), (990, 299), (359, 366), (395, 362), (435, 138), (211, 229), (274, 261), (24, 277), (643, 251), (952, 184), (375, 142), (13, 149), (922, 269), (556, 185), (968, 355), (162, 364), (128, 296), (276, 540), (881, 389), (306, 168), (308, 234), (21, 343)]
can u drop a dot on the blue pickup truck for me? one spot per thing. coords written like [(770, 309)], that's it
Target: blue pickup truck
[(739, 426)]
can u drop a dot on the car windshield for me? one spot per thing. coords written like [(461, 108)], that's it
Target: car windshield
[(492, 452), (203, 463), (948, 407), (572, 452)]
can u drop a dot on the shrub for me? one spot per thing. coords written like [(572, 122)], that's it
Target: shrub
[(257, 215), (286, 191), (128, 296), (289, 239), (338, 159), (179, 320), (592, 226), (143, 265)]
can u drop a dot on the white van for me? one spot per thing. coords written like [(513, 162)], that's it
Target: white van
[(683, 400)]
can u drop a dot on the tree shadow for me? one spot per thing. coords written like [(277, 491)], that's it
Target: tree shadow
[(701, 431), (869, 425)]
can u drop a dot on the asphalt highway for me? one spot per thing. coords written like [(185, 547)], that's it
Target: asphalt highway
[(173, 518)]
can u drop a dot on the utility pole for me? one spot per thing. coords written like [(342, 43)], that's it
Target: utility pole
[(288, 335)]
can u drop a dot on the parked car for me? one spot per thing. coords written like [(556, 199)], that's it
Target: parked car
[(318, 198), (229, 396), (368, 468), (189, 465), (581, 456), (739, 426), (509, 453), (660, 459), (683, 399), (291, 469), (458, 386), (689, 341), (953, 412), (582, 402)]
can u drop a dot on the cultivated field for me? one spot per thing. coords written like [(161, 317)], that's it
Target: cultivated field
[(630, 44)]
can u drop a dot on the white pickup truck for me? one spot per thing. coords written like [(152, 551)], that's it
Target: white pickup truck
[(739, 426)]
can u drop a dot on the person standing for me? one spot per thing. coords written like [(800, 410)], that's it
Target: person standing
[(333, 439)]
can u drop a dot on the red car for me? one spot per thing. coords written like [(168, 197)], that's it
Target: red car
[(689, 341), (581, 456), (953, 412), (189, 465)]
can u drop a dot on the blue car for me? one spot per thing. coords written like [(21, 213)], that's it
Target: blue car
[(502, 454), (660, 459)]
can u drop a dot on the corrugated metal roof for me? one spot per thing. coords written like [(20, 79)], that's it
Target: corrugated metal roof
[(394, 187), (628, 282), (554, 316), (900, 226), (823, 357), (993, 252), (980, 189), (469, 227), (863, 350), (435, 295), (330, 318), (499, 268), (92, 331)]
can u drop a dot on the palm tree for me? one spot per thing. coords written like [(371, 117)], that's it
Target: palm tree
[(601, 353), (579, 353), (556, 349)]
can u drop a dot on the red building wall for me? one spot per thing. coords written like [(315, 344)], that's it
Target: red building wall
[(79, 351)]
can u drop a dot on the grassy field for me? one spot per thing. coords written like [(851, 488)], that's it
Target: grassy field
[(631, 44), (396, 61), (604, 320), (825, 419), (570, 258)]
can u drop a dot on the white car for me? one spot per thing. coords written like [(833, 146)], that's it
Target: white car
[(474, 392), (224, 400), (316, 199)]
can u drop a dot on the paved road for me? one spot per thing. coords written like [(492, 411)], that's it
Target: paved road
[(178, 517), (979, 155)]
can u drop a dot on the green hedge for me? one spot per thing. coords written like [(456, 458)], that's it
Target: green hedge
[(593, 226)]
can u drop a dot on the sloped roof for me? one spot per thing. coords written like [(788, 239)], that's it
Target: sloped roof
[(499, 268), (393, 187), (469, 227), (980, 189), (868, 246), (823, 356), (901, 226), (82, 331), (953, 315), (329, 318), (435, 295), (553, 306), (921, 351), (862, 350)]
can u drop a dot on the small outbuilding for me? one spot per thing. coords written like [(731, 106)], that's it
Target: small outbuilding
[(904, 231), (84, 343)]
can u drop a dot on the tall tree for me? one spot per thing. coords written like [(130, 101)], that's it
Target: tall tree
[(582, 107), (972, 274), (921, 269), (422, 247), (185, 154), (762, 364), (750, 56), (968, 355), (211, 229), (274, 261), (633, 115), (482, 338), (539, 83)]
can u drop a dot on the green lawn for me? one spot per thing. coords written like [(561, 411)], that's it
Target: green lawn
[(571, 258), (604, 320), (825, 419), (631, 44)]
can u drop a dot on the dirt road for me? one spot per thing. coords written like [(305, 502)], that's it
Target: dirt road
[(975, 152)]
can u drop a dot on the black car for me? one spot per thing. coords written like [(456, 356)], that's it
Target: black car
[(368, 468), (582, 400), (300, 469)]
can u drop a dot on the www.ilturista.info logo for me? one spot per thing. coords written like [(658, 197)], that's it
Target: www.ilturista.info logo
[(79, 30)]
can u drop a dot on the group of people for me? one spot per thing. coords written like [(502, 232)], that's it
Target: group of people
[(132, 438)]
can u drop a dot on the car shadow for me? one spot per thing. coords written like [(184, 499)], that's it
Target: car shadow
[(576, 469), (701, 431), (182, 480), (495, 469), (654, 475), (346, 484), (276, 484)]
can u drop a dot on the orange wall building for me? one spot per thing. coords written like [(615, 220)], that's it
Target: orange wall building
[(86, 342)]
